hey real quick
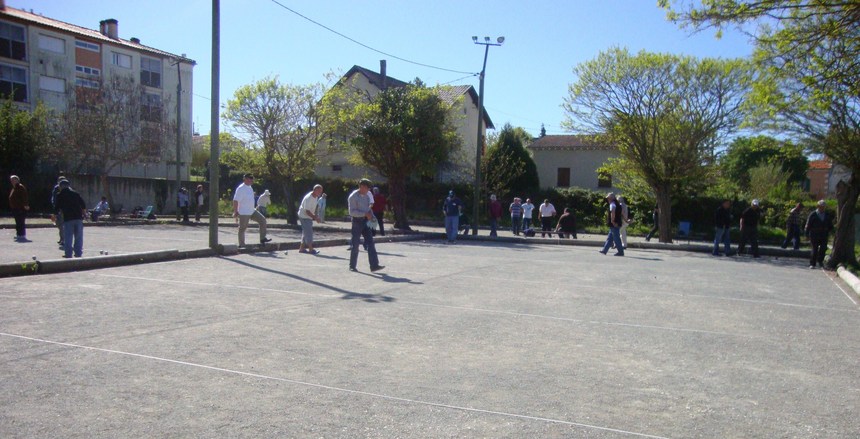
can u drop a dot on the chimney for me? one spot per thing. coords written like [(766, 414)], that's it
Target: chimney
[(135, 40), (109, 28), (2, 4), (103, 27), (383, 73)]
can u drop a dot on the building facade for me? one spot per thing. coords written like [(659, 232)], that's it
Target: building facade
[(50, 61), (570, 161)]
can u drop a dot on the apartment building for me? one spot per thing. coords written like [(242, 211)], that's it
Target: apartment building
[(49, 61)]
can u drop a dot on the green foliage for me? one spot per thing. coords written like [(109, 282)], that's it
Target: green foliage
[(745, 153), (24, 135), (770, 180), (507, 167)]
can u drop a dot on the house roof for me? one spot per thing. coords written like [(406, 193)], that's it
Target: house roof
[(90, 34), (567, 142), (448, 93), (820, 164)]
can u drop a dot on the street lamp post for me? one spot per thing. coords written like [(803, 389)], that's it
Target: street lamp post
[(480, 143)]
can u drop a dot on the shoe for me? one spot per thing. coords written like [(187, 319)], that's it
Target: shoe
[(303, 251), (66, 257), (15, 238), (618, 254), (352, 269), (377, 268), (716, 254), (314, 252), (812, 267), (601, 252), (265, 240)]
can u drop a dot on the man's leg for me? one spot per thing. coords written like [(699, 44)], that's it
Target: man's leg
[(616, 235), (372, 257), (822, 249), (381, 223), (742, 245), (68, 237), (727, 241), (243, 225), (358, 225), (623, 231), (78, 227), (60, 229), (20, 231), (813, 252), (608, 243), (261, 220), (718, 238), (754, 242)]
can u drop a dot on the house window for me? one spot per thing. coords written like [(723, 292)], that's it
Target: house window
[(86, 83), (150, 140), (604, 180), (87, 70), (150, 72), (12, 42), (336, 168), (150, 107), (121, 60), (563, 179), (52, 44), (52, 84), (13, 82), (86, 45)]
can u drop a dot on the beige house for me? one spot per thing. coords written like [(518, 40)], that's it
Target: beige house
[(461, 166), (47, 60), (570, 161)]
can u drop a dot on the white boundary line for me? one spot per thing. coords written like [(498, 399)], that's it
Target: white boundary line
[(337, 389), (832, 278)]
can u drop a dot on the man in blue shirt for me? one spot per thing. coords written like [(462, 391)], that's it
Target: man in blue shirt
[(451, 209)]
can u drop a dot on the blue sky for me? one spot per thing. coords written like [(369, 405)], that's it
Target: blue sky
[(526, 80)]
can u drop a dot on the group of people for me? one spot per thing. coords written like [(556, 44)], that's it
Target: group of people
[(68, 211)]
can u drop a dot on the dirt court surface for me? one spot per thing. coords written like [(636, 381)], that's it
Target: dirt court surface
[(470, 340)]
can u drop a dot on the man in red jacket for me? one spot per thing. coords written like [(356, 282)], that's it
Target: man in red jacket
[(379, 205), (18, 202), (495, 210)]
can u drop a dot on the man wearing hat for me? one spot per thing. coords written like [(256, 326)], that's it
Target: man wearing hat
[(749, 228), (244, 209), (451, 210), (20, 204), (70, 204), (613, 220), (818, 225)]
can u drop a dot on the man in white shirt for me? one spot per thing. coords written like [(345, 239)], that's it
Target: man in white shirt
[(360, 202), (307, 216), (547, 211), (243, 209), (528, 207)]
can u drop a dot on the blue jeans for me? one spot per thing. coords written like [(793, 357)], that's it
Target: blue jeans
[(613, 236), (792, 235), (516, 223), (527, 222), (73, 231), (452, 224), (721, 235), (494, 225), (359, 229)]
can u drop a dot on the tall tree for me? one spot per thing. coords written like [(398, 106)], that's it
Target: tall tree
[(508, 168), (280, 122), (808, 52), (745, 153), (402, 132), (23, 136), (115, 124), (665, 114)]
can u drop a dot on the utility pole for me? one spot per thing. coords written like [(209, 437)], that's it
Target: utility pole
[(214, 151), (480, 143), (178, 133)]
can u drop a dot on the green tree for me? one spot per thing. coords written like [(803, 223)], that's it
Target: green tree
[(280, 122), (807, 52), (401, 133), (23, 136), (665, 114), (745, 153), (507, 167)]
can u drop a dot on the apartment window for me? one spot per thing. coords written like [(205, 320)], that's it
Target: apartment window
[(52, 84), (150, 72), (121, 60), (88, 70), (86, 83), (86, 45), (150, 141), (12, 41), (563, 178), (150, 107), (13, 82), (52, 44)]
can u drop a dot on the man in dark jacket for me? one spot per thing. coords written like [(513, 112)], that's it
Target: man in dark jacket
[(722, 226), (818, 226), (613, 220), (20, 204), (749, 228), (70, 204)]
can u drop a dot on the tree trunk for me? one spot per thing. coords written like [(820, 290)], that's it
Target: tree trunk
[(842, 252), (664, 203), (290, 202), (397, 193), (103, 182)]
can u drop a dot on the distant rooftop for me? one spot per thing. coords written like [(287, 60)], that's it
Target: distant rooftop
[(566, 142)]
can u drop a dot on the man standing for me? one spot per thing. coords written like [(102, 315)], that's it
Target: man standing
[(243, 209), (495, 211), (655, 216), (198, 201), (818, 226), (20, 204), (625, 220), (307, 216), (749, 228), (58, 217), (516, 209), (792, 227), (528, 207), (70, 204), (452, 209), (359, 203), (184, 203), (379, 205), (722, 226), (613, 220), (547, 211)]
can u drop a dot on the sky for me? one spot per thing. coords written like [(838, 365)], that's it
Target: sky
[(527, 77)]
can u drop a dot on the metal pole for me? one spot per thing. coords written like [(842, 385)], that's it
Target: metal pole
[(479, 149), (178, 134), (214, 151)]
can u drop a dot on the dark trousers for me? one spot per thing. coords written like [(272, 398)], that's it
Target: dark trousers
[(792, 234), (819, 248), (379, 216), (359, 229), (546, 226), (652, 232), (749, 234), (494, 226), (60, 227), (197, 212), (20, 225), (184, 210)]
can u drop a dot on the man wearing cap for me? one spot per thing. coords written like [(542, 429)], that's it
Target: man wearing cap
[(749, 228), (360, 202), (818, 225), (20, 204), (613, 220), (451, 209), (70, 204), (244, 209)]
